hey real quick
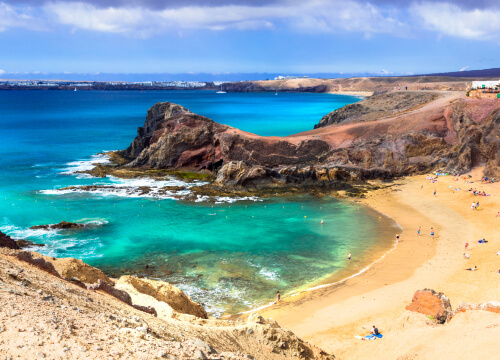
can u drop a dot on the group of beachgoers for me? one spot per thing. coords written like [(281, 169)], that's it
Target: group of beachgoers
[(478, 193), (474, 206)]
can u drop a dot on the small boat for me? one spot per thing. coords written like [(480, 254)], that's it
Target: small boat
[(220, 91), (75, 89)]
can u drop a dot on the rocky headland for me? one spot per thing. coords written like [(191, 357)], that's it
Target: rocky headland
[(382, 137)]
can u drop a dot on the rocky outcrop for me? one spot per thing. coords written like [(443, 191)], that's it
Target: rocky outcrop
[(431, 303), (479, 144), (117, 293), (7, 242), (491, 306), (377, 107), (26, 243), (38, 262), (70, 268), (173, 137), (166, 293), (63, 225)]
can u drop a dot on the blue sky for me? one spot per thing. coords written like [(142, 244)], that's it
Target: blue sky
[(242, 36)]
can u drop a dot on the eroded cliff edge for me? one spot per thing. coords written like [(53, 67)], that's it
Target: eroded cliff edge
[(390, 137)]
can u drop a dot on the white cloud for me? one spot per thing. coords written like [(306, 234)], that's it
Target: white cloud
[(14, 17), (2, 71), (464, 68), (453, 20), (312, 15)]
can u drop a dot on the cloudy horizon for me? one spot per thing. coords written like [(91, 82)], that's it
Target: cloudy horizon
[(230, 36)]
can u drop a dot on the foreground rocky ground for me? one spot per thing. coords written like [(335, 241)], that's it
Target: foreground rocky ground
[(47, 311)]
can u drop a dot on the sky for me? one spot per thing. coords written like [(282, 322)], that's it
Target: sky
[(380, 37)]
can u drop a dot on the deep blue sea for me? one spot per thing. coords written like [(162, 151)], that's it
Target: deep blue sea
[(228, 255)]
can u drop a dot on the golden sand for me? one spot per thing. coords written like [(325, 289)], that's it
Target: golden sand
[(331, 317)]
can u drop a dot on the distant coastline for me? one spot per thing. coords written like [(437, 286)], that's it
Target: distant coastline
[(362, 86)]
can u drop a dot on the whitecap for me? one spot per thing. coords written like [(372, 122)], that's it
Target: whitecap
[(269, 274), (18, 233), (85, 165)]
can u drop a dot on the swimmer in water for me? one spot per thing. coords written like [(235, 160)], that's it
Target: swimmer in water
[(349, 258), (322, 221)]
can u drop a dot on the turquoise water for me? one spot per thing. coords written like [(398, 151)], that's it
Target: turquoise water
[(230, 256)]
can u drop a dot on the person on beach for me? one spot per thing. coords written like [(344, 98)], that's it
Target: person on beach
[(466, 256), (432, 232), (375, 330), (477, 206), (434, 192), (473, 206), (321, 221), (349, 258), (482, 241), (472, 269), (498, 214), (278, 297), (397, 239), (418, 231), (466, 246)]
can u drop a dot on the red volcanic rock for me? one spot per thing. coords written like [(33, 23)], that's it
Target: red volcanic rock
[(382, 137), (431, 303), (7, 242)]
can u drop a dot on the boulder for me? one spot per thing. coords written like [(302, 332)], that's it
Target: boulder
[(431, 303), (76, 268), (256, 318), (163, 291), (147, 309)]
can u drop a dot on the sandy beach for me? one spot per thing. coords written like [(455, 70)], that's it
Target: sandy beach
[(352, 93), (332, 316)]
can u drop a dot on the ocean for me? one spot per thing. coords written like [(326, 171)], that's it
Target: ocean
[(229, 255)]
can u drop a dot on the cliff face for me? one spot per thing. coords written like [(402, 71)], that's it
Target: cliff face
[(173, 137), (387, 136)]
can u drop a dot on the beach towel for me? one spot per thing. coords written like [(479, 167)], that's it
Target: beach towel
[(369, 337)]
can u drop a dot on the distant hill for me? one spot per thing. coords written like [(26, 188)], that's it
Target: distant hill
[(486, 73)]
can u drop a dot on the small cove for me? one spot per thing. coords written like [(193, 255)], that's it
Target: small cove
[(230, 256)]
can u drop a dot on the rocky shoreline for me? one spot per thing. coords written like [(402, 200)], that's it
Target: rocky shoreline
[(66, 308)]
